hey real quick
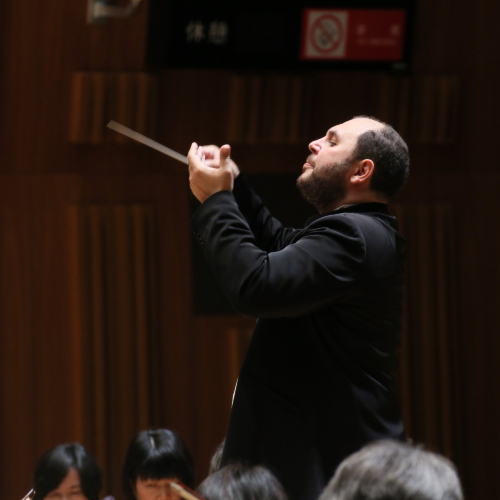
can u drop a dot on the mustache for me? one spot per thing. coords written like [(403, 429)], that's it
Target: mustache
[(310, 160)]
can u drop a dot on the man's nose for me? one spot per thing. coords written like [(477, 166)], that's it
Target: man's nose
[(315, 146)]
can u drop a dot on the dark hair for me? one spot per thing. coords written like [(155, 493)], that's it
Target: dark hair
[(391, 470), (389, 153), (156, 454), (241, 482), (54, 465)]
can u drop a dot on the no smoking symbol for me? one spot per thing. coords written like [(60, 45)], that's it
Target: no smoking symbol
[(327, 33)]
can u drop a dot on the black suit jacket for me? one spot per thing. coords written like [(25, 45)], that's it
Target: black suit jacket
[(317, 381)]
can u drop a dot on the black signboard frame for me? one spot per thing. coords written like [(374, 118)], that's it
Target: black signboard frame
[(260, 35)]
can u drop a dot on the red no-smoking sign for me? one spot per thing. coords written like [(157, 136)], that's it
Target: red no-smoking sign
[(327, 33), (324, 34), (353, 34)]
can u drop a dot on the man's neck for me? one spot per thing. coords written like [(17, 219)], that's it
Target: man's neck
[(354, 200)]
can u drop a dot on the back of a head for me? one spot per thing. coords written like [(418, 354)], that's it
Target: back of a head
[(156, 454), (240, 482), (55, 464), (389, 153), (391, 470)]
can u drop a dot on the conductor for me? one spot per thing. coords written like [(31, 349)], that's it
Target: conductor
[(318, 379)]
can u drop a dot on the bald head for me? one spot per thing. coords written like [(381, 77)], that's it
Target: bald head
[(359, 125)]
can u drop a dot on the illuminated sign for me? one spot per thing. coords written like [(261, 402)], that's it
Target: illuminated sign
[(279, 34), (353, 35)]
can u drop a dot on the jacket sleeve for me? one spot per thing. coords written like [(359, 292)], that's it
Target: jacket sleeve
[(269, 233), (322, 267)]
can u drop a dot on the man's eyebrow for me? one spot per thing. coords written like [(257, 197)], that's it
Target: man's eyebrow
[(331, 134)]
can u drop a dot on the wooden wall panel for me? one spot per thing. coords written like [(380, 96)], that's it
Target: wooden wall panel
[(423, 109), (42, 44), (17, 350), (428, 371), (118, 323), (45, 365), (479, 344), (220, 345), (130, 98), (193, 107)]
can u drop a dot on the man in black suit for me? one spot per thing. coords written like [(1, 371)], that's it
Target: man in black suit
[(318, 381)]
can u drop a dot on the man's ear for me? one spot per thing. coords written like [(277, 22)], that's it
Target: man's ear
[(362, 172)]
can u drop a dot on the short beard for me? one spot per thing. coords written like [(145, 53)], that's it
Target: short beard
[(325, 188)]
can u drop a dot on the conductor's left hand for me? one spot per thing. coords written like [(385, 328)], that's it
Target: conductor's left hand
[(206, 180)]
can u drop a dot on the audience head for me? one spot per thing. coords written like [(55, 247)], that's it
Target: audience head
[(153, 460), (391, 470), (240, 482), (67, 469)]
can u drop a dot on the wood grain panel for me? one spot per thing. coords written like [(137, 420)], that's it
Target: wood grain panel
[(478, 297), (428, 352), (97, 97), (17, 349), (268, 109), (42, 44), (220, 345), (423, 109), (46, 360), (36, 74), (116, 307)]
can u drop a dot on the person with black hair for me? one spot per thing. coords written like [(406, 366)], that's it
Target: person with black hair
[(154, 459), (241, 482), (67, 472), (318, 379)]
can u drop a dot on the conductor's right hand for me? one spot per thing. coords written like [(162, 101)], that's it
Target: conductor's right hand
[(210, 171), (212, 159)]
